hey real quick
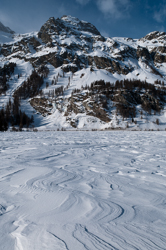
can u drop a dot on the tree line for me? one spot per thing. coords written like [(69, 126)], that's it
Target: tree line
[(12, 115), (31, 87), (5, 73)]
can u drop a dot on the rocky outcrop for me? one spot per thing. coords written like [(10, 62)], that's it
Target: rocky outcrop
[(128, 52), (41, 105), (143, 52), (34, 42), (159, 54), (51, 58), (161, 49), (91, 105), (108, 64), (21, 46), (6, 50), (154, 35), (159, 58), (51, 26)]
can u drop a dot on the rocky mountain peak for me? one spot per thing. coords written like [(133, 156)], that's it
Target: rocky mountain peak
[(66, 25), (70, 19), (155, 35), (80, 25)]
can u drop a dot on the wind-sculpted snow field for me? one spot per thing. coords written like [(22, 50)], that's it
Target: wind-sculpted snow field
[(83, 190)]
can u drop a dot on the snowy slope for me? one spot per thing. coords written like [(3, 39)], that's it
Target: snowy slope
[(5, 34), (5, 37)]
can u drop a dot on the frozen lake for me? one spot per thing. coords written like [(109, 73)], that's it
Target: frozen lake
[(83, 190)]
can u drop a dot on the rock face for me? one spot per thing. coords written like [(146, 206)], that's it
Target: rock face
[(159, 54), (155, 35), (66, 25), (143, 52), (91, 105), (41, 105)]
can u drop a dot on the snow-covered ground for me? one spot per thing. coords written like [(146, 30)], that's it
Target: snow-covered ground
[(83, 190)]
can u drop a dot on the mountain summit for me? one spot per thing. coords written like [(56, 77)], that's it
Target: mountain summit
[(68, 24), (68, 75)]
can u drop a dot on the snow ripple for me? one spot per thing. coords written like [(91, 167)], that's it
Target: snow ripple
[(83, 190)]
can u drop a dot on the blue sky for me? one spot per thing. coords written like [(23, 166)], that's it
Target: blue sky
[(112, 18)]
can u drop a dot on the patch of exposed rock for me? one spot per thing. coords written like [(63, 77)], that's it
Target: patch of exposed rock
[(143, 52), (91, 105), (108, 64), (41, 105), (154, 35), (22, 47)]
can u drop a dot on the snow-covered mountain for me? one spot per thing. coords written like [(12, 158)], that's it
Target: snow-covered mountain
[(80, 77), (5, 29)]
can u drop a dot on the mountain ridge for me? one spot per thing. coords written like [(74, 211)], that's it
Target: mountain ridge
[(71, 54), (5, 34), (6, 29)]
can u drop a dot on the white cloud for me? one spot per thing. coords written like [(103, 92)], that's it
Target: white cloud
[(82, 2), (114, 8), (160, 15)]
